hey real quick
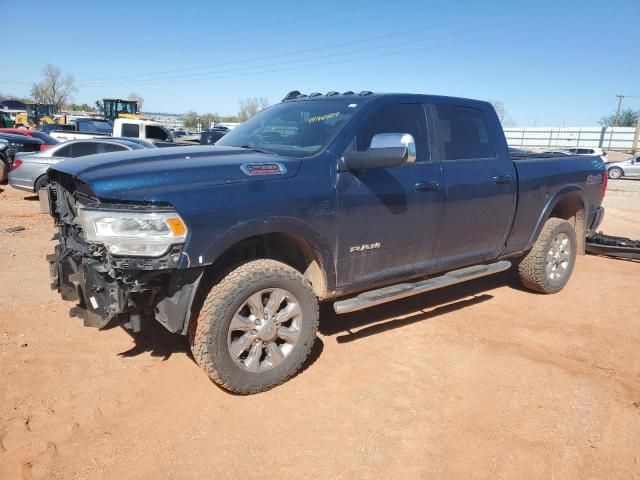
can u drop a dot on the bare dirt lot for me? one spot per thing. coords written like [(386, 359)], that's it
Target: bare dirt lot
[(483, 380)]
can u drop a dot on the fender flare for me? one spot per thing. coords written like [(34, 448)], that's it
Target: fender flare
[(552, 202), (285, 225)]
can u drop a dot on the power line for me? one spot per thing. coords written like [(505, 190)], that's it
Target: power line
[(206, 75), (280, 55), (401, 52), (217, 74)]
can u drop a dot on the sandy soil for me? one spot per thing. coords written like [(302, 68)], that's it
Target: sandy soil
[(484, 380)]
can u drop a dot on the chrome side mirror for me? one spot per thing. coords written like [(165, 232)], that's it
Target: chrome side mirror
[(386, 140)]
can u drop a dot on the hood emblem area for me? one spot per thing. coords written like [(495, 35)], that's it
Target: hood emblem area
[(263, 168)]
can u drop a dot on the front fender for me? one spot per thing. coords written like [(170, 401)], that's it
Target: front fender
[(285, 225)]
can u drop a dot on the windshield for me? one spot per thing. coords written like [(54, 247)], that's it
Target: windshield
[(297, 129)]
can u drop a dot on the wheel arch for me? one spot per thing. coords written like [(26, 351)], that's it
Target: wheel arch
[(568, 204), (287, 240)]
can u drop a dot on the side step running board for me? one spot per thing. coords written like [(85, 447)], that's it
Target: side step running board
[(402, 290)]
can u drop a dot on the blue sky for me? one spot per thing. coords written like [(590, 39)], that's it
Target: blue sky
[(549, 62)]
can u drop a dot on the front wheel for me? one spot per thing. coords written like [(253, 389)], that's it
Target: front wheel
[(42, 182), (256, 327), (615, 172), (548, 266)]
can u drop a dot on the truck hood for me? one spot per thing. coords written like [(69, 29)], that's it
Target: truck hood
[(141, 174)]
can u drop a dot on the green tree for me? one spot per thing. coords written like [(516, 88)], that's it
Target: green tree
[(626, 118)]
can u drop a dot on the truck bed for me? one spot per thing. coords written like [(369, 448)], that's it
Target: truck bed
[(542, 178)]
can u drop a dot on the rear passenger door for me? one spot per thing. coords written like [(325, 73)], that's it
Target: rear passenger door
[(479, 180)]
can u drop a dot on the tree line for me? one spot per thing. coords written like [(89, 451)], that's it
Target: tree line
[(58, 88)]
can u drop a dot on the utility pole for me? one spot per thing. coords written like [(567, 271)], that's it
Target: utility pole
[(615, 121)]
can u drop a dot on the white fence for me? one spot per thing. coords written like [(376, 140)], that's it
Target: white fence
[(607, 138)]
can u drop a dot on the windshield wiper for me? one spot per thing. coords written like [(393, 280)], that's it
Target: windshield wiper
[(249, 147)]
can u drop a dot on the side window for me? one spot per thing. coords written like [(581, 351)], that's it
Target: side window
[(83, 148), (111, 147), (130, 130), (463, 133), (393, 126), (155, 132), (64, 152)]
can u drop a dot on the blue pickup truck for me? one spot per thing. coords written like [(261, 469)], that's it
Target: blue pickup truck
[(354, 198)]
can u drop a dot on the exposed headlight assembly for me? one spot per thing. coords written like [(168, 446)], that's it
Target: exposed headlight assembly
[(141, 234)]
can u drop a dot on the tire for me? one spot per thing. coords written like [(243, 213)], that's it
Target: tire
[(231, 316), (615, 172), (548, 266), (41, 182), (3, 171)]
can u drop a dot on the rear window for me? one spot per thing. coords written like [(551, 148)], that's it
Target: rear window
[(130, 130), (79, 149), (463, 133), (111, 147), (94, 126), (156, 133)]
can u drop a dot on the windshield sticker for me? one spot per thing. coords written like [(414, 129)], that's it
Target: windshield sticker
[(322, 118)]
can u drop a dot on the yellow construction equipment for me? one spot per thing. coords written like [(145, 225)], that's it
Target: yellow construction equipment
[(118, 108), (39, 114)]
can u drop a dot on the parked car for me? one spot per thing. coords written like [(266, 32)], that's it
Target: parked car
[(212, 136), (10, 144), (50, 127), (121, 127), (558, 152), (348, 198), (48, 140), (139, 141), (588, 151), (29, 171), (626, 168)]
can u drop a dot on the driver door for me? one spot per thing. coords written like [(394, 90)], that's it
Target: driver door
[(388, 218)]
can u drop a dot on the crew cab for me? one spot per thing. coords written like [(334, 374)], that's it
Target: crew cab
[(355, 199)]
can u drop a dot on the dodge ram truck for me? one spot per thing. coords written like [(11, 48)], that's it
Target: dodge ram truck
[(354, 198)]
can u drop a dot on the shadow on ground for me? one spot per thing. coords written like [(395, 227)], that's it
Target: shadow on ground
[(159, 342), (401, 313)]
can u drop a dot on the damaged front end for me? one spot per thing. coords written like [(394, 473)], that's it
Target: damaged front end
[(118, 261)]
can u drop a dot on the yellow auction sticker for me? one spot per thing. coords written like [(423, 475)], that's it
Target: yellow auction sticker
[(322, 118)]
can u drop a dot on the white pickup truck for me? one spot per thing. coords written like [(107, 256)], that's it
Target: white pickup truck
[(122, 127)]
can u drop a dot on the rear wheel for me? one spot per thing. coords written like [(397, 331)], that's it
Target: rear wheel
[(256, 327), (548, 266), (615, 172)]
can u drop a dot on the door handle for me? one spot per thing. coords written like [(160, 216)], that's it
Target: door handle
[(502, 179), (426, 186)]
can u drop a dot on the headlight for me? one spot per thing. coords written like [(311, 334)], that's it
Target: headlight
[(144, 234)]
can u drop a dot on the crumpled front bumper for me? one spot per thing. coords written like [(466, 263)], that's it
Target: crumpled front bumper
[(165, 294)]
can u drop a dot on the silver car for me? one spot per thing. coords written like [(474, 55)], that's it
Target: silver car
[(28, 171), (626, 168)]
